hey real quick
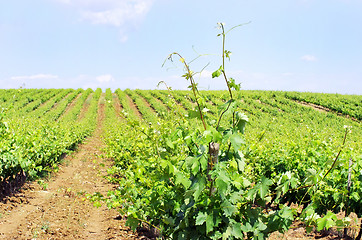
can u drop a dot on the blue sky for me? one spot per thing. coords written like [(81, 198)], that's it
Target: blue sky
[(299, 45)]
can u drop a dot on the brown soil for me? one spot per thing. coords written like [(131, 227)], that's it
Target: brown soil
[(45, 102), (58, 208), (116, 104), (60, 101), (70, 106), (147, 104), (298, 232), (324, 109), (176, 102), (258, 100), (133, 107), (158, 100), (314, 106), (85, 106)]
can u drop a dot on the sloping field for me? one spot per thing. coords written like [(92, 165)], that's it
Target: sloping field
[(290, 161)]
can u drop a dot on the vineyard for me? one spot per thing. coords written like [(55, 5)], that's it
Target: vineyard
[(246, 167)]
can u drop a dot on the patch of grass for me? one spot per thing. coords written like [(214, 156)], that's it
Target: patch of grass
[(45, 226), (43, 184)]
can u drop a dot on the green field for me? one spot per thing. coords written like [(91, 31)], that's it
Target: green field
[(288, 157)]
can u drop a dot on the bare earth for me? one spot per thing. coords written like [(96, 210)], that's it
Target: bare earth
[(58, 208)]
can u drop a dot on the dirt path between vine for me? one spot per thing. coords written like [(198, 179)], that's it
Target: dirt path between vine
[(58, 208), (133, 107), (320, 108)]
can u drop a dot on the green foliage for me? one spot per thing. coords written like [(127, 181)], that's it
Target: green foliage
[(350, 105), (192, 174), (35, 142)]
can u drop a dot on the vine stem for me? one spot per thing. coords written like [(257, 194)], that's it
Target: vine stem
[(223, 60), (193, 85), (224, 74)]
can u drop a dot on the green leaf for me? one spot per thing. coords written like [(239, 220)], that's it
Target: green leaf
[(227, 108), (194, 164), (201, 218), (212, 135), (233, 164), (226, 235), (355, 196), (281, 219), (168, 220), (247, 227), (261, 226), (251, 194), (312, 176), (236, 230), (309, 229), (240, 160), (208, 135), (233, 85), (132, 223), (188, 75), (227, 54), (235, 197), (241, 120), (228, 208), (327, 221), (218, 72), (222, 182), (194, 113), (182, 179), (210, 223), (203, 162), (97, 204), (169, 143), (216, 235), (236, 141), (264, 186), (198, 187)]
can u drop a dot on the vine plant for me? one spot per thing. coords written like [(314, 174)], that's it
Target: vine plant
[(223, 201), (238, 120), (192, 182), (220, 201)]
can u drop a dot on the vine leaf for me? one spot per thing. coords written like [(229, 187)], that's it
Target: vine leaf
[(210, 223), (233, 84), (228, 208), (222, 182), (236, 231), (263, 186), (182, 179), (218, 72), (236, 141), (327, 221), (198, 187), (201, 218), (241, 120)]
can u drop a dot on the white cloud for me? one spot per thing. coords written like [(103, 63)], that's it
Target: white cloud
[(119, 14), (309, 58), (123, 14), (105, 78), (34, 77)]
